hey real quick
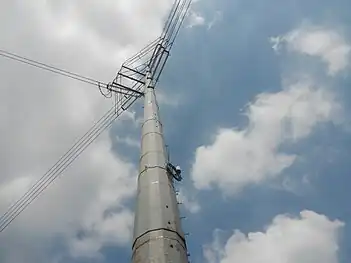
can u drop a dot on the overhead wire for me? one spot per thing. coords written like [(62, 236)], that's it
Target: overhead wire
[(181, 20), (52, 69), (47, 67), (73, 153), (47, 178), (101, 85), (170, 32), (170, 21)]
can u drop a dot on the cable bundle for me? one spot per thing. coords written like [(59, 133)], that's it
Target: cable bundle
[(61, 165), (52, 69)]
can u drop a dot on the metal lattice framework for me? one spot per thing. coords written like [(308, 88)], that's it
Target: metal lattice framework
[(152, 58)]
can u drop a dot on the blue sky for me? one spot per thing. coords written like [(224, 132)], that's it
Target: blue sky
[(222, 69), (224, 93)]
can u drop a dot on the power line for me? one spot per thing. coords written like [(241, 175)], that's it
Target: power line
[(109, 88), (62, 164), (50, 68)]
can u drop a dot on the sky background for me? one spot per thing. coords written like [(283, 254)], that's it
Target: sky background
[(255, 102)]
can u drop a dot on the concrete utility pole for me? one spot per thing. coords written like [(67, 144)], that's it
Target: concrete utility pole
[(158, 235)]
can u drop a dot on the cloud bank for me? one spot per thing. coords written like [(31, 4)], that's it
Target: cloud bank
[(326, 44), (239, 157), (308, 238)]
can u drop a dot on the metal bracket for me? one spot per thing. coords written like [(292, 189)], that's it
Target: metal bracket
[(176, 174)]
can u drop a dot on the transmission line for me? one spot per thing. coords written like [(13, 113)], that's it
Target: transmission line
[(62, 72), (73, 153)]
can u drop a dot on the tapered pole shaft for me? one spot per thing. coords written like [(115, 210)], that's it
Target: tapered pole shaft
[(158, 235)]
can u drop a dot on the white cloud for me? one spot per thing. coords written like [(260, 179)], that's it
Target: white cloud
[(327, 44), (217, 17), (195, 19), (252, 155), (189, 202), (306, 239), (115, 229), (131, 142), (170, 99), (42, 115)]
